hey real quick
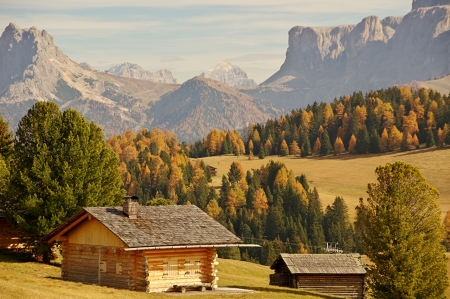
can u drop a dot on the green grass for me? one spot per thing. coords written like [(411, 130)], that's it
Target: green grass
[(22, 279)]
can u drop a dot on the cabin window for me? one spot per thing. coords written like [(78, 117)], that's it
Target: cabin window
[(192, 267), (102, 267), (118, 268), (170, 268)]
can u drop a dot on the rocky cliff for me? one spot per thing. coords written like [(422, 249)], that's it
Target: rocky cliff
[(33, 68), (130, 70), (229, 74), (323, 63)]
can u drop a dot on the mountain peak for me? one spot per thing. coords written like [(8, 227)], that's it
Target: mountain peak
[(229, 74), (131, 70), (13, 27), (427, 3)]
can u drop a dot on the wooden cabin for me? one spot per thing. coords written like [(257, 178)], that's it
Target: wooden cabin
[(335, 274), (9, 238), (213, 170), (142, 248)]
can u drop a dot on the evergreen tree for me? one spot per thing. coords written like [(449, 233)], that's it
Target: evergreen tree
[(62, 164), (430, 138), (325, 148), (374, 145), (6, 141), (337, 225), (362, 141), (314, 222), (306, 147), (399, 228)]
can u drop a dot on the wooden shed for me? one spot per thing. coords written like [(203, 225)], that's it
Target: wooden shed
[(336, 274), (142, 248), (9, 238), (213, 170)]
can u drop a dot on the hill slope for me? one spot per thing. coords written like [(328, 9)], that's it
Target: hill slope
[(201, 104), (229, 74)]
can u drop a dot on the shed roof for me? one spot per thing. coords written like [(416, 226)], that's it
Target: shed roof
[(157, 226), (321, 263)]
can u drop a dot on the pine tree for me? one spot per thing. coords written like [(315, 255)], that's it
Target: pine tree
[(306, 148), (374, 145), (62, 164), (337, 225), (399, 228), (325, 148), (430, 138), (317, 145), (6, 141), (362, 141)]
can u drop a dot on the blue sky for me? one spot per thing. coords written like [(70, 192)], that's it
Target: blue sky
[(187, 37)]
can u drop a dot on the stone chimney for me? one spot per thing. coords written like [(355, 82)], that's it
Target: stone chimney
[(131, 207)]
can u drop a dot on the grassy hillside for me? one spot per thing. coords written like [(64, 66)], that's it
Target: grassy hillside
[(348, 175), (24, 279)]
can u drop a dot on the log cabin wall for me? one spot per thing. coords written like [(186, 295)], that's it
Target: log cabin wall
[(348, 286), (100, 265), (188, 267), (9, 238)]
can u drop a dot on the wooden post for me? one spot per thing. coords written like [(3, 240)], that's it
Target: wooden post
[(99, 261)]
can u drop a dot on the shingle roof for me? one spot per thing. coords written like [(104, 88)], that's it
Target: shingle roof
[(172, 225), (321, 263)]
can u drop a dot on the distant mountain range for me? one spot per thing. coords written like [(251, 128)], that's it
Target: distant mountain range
[(135, 71), (327, 62), (229, 74), (33, 68), (201, 104)]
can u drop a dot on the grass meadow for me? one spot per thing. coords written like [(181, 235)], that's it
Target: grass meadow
[(22, 279), (348, 175)]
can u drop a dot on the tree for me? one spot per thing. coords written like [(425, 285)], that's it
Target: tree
[(294, 149), (6, 141), (62, 164), (284, 149), (337, 225), (400, 230), (352, 144), (362, 141), (384, 141), (338, 146), (325, 148), (395, 139), (317, 145)]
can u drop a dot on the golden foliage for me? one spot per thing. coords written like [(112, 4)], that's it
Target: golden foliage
[(361, 115), (384, 141), (338, 147), (352, 144), (317, 145), (294, 149), (260, 203), (395, 139)]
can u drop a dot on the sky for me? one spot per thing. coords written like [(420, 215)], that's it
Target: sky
[(186, 37)]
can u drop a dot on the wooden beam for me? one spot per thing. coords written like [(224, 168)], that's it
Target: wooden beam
[(72, 225)]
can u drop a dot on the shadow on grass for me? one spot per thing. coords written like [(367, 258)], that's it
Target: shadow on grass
[(53, 277), (286, 290), (10, 256)]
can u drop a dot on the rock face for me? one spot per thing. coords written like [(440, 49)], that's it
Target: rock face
[(87, 65), (323, 63), (202, 104), (428, 3), (130, 70), (33, 68), (229, 74)]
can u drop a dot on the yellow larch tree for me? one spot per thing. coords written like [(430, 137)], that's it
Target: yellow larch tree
[(294, 149), (431, 122), (327, 115), (352, 144), (338, 146), (260, 203), (361, 115), (213, 209), (317, 145), (410, 123), (339, 110), (384, 141), (395, 139)]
